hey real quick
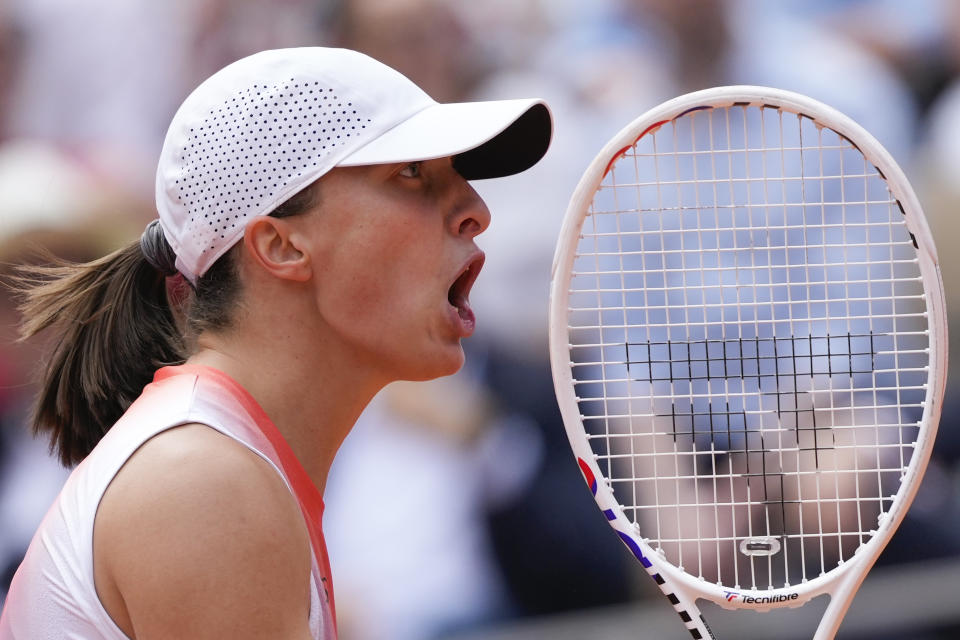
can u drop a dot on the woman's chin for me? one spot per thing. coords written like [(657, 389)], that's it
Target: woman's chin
[(439, 365)]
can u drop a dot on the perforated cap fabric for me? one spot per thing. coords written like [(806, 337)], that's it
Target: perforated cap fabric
[(266, 126)]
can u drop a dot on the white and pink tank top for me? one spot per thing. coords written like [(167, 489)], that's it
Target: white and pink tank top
[(52, 596)]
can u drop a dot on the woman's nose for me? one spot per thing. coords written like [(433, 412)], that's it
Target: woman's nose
[(472, 215)]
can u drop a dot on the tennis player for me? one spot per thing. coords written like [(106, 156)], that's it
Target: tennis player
[(315, 242)]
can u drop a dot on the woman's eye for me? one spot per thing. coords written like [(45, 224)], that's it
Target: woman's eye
[(412, 170)]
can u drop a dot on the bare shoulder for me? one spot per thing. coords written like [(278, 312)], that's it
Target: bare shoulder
[(198, 537)]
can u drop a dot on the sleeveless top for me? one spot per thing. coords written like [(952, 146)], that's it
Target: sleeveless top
[(52, 596)]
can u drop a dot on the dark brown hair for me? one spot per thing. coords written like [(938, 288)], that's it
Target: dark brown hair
[(114, 327)]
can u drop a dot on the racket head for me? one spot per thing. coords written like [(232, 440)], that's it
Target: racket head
[(609, 486)]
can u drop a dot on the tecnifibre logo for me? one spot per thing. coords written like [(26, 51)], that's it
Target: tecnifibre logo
[(782, 597)]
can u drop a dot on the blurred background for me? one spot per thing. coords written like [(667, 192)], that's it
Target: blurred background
[(455, 510)]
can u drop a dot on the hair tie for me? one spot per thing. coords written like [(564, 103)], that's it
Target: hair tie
[(157, 250)]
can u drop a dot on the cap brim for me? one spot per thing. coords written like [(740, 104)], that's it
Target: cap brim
[(486, 139)]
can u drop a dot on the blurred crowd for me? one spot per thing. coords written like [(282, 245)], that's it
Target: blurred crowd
[(456, 503)]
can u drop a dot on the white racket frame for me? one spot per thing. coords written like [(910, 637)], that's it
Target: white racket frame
[(683, 589)]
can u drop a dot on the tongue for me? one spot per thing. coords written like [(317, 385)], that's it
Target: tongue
[(464, 310), (457, 296)]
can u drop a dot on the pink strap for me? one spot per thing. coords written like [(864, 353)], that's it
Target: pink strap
[(309, 498)]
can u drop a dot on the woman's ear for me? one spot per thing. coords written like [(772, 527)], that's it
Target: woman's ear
[(275, 245)]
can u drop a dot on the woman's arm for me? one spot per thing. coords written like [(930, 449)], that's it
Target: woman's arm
[(197, 537)]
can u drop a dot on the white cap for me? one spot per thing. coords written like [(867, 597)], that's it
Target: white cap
[(265, 127)]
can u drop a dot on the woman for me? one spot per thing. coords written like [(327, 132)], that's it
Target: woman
[(315, 202)]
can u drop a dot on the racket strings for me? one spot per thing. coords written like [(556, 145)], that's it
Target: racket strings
[(749, 343)]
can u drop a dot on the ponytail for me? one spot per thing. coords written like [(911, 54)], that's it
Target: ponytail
[(114, 329)]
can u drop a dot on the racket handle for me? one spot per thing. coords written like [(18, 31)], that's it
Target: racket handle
[(686, 608), (840, 599)]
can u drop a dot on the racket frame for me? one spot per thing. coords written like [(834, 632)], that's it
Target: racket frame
[(681, 588)]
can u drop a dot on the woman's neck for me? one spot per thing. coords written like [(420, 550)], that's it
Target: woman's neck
[(313, 392)]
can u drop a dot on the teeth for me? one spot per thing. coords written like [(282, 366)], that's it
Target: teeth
[(457, 295)]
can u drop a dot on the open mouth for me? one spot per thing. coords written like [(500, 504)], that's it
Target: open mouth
[(459, 293)]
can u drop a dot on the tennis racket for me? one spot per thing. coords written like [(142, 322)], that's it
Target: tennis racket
[(748, 341)]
